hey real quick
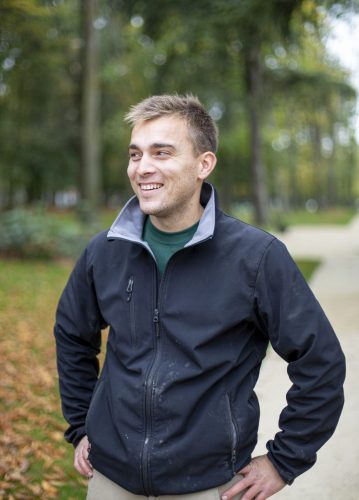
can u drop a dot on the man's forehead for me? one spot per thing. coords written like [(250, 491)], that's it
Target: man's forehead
[(161, 124), (165, 130)]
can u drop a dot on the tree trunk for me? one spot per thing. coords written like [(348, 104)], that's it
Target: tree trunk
[(317, 160), (350, 173), (254, 81), (90, 139), (331, 174), (294, 197)]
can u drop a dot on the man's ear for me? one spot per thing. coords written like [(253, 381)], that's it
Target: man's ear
[(207, 162)]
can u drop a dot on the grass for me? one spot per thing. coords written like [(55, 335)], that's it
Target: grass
[(338, 215), (307, 267), (35, 460)]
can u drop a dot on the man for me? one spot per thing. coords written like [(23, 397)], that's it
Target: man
[(192, 297)]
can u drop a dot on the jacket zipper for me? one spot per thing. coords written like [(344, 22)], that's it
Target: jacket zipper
[(149, 385), (131, 302), (149, 395), (234, 435)]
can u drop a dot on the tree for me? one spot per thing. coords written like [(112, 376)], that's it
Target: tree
[(37, 115), (235, 62), (90, 147)]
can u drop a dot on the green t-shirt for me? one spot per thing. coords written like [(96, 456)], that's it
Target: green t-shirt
[(163, 244)]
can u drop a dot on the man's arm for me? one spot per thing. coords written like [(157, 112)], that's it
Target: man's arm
[(289, 314), (78, 339)]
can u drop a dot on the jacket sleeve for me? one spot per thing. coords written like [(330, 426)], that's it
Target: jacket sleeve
[(289, 314), (78, 339)]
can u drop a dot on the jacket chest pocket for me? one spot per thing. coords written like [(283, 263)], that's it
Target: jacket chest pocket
[(130, 301)]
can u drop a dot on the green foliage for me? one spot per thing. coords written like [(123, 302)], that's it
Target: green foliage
[(306, 104), (27, 234), (36, 106), (37, 234)]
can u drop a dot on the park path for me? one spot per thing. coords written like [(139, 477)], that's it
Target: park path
[(336, 285)]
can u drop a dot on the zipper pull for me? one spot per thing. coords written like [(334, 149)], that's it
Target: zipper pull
[(129, 289), (156, 316)]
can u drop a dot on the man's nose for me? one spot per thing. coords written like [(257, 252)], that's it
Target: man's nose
[(145, 165)]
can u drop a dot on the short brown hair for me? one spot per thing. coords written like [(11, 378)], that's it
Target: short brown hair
[(203, 131)]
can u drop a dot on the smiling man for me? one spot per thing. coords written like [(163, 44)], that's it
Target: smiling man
[(167, 175), (192, 298)]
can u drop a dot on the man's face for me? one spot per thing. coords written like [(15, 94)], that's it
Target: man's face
[(165, 172)]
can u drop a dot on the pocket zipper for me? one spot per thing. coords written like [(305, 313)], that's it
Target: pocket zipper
[(131, 302), (129, 289), (234, 434)]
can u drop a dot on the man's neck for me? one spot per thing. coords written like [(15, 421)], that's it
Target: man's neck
[(177, 223)]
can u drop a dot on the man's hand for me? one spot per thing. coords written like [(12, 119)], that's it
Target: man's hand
[(81, 462), (261, 481)]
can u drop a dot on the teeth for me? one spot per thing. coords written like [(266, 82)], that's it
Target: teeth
[(150, 187)]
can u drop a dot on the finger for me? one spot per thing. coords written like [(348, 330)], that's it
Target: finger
[(86, 465), (79, 465), (262, 496), (83, 468), (245, 469), (252, 493), (82, 463), (239, 486), (84, 458)]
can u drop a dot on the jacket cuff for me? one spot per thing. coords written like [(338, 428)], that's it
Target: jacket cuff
[(287, 477), (74, 435)]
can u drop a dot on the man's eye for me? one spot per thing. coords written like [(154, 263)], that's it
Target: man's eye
[(162, 153), (134, 155)]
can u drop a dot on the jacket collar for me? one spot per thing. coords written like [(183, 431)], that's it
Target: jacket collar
[(129, 223)]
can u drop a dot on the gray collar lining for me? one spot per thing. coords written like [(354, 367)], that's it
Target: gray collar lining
[(128, 225)]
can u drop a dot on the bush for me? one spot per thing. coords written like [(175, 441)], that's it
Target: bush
[(37, 234)]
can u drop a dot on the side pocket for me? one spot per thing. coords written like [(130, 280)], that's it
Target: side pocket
[(94, 402), (233, 433), (131, 302), (253, 402)]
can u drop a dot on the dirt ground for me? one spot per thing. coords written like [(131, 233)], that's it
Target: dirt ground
[(336, 285)]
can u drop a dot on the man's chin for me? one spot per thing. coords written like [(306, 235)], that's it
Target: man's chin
[(149, 209)]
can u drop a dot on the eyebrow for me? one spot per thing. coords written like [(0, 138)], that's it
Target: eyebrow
[(155, 145)]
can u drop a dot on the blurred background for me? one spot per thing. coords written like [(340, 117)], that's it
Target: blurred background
[(280, 78)]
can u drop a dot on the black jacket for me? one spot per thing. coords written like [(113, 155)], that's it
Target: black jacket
[(174, 409)]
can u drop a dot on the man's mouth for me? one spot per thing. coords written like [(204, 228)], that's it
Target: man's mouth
[(150, 187)]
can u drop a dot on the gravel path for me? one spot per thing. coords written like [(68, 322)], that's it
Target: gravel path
[(336, 285)]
